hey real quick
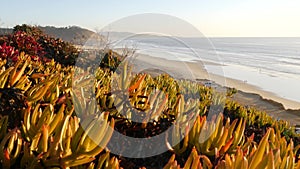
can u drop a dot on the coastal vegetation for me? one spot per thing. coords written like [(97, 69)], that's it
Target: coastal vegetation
[(44, 122)]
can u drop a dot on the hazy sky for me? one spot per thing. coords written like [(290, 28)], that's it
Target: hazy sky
[(211, 17)]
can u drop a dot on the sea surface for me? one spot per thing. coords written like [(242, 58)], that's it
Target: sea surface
[(272, 64)]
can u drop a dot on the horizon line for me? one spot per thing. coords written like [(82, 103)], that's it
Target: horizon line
[(226, 36)]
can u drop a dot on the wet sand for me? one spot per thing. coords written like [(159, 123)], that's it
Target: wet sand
[(248, 95)]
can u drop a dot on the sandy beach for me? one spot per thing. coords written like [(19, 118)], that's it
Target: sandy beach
[(248, 95)]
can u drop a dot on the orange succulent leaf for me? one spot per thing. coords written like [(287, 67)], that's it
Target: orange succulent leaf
[(137, 84)]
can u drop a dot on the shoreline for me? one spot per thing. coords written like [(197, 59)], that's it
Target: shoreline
[(247, 95)]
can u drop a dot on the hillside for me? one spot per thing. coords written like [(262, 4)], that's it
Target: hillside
[(74, 34)]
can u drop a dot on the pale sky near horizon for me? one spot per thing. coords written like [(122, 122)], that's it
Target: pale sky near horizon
[(214, 18)]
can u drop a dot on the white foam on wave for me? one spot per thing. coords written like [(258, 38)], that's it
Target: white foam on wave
[(279, 84)]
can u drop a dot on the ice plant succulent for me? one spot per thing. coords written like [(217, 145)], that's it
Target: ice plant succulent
[(8, 52)]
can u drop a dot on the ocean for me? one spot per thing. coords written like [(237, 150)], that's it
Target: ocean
[(272, 64)]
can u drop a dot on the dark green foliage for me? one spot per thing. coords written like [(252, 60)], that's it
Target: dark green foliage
[(111, 60), (62, 52), (30, 30), (12, 102)]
